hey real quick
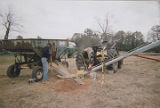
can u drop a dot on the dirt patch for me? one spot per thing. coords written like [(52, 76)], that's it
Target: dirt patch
[(68, 85)]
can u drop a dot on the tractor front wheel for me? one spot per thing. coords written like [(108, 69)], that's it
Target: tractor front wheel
[(13, 71), (37, 73)]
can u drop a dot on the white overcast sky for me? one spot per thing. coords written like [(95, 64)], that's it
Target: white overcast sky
[(60, 19)]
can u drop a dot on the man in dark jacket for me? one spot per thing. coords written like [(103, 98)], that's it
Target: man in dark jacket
[(45, 58)]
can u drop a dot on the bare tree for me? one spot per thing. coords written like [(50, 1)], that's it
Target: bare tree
[(104, 25), (10, 22), (106, 35)]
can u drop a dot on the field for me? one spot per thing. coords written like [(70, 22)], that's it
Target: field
[(136, 85)]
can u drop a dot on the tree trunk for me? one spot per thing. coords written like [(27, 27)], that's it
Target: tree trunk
[(7, 32)]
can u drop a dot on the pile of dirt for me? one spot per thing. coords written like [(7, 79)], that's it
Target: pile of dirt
[(68, 85)]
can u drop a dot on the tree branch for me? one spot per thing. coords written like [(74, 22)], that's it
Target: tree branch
[(106, 26), (10, 22)]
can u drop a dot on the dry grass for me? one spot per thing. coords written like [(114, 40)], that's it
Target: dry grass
[(136, 85), (6, 59)]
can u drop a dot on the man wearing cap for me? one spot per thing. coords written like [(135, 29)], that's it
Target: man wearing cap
[(45, 58)]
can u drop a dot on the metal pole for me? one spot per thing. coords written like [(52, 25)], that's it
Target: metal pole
[(146, 57), (140, 50)]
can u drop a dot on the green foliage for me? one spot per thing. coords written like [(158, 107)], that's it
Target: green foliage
[(125, 40), (153, 35), (128, 41)]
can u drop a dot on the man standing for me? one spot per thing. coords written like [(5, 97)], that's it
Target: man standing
[(45, 58), (89, 53)]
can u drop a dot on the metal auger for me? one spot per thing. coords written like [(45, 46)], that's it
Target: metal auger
[(136, 51)]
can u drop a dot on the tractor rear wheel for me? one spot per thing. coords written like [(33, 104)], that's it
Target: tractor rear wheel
[(37, 74), (13, 71), (79, 61)]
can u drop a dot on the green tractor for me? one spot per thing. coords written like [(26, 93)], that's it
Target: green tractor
[(95, 55)]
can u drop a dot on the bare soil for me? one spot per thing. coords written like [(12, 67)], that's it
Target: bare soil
[(136, 85), (67, 85)]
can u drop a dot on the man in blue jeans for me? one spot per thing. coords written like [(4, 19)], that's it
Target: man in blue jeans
[(45, 58)]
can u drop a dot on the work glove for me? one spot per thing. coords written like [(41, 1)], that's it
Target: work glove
[(90, 67)]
